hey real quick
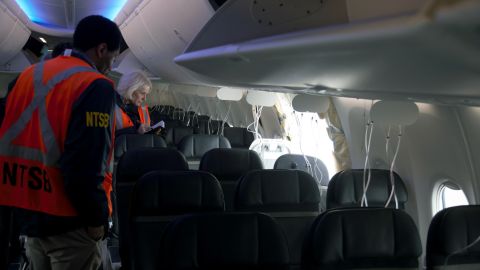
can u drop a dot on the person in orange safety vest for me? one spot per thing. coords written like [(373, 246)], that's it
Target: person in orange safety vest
[(56, 146), (131, 115)]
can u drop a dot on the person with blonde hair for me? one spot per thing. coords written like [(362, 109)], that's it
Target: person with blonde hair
[(132, 115)]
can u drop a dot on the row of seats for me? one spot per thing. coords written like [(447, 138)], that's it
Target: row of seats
[(238, 137), (346, 189), (289, 195), (228, 165), (180, 124), (338, 239), (344, 238)]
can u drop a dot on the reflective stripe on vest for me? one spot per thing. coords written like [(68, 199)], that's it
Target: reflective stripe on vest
[(40, 93), (29, 164), (144, 115)]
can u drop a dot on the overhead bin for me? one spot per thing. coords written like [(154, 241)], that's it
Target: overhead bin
[(13, 35), (427, 56), (156, 31)]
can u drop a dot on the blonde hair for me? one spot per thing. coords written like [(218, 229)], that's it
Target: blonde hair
[(132, 82)]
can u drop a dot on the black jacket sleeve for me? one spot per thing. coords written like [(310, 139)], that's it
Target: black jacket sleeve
[(87, 147)]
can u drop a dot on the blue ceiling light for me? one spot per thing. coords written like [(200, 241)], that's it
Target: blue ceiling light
[(114, 8), (31, 11), (53, 16)]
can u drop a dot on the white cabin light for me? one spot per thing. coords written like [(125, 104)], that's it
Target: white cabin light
[(394, 113), (228, 93), (261, 98), (310, 103), (42, 40)]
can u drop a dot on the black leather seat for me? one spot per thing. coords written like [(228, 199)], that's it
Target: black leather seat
[(122, 144), (290, 196), (315, 166), (228, 165), (130, 141), (311, 165), (345, 189), (200, 124), (362, 238), (238, 137), (133, 165), (224, 241), (161, 196), (174, 135), (194, 146), (451, 231)]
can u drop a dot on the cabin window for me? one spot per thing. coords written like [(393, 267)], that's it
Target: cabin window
[(448, 194)]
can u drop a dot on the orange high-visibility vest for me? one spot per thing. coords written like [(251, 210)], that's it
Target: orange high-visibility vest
[(122, 120), (144, 115), (33, 134)]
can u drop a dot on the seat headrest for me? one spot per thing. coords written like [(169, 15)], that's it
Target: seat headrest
[(164, 193), (224, 241), (238, 137), (228, 164), (315, 166), (361, 238), (345, 189), (194, 146), (129, 141), (277, 190), (451, 231), (176, 134), (136, 162)]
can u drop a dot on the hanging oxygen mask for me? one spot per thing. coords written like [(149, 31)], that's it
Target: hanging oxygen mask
[(315, 104), (387, 114)]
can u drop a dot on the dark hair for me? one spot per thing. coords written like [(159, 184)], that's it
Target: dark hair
[(60, 48), (93, 30)]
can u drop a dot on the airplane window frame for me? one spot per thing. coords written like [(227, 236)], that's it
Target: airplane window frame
[(439, 201)]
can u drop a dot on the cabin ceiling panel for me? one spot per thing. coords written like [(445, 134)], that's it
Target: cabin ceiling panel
[(65, 14), (159, 30), (430, 59), (13, 35)]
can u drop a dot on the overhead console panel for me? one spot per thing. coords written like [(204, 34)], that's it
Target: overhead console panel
[(242, 20), (390, 49), (158, 30), (13, 35)]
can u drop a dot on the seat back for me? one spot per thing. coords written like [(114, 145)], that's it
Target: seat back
[(175, 134), (194, 146), (224, 241), (228, 165), (161, 196), (200, 124), (309, 164), (362, 238), (133, 165), (291, 196), (129, 141), (453, 240), (122, 144), (345, 189), (312, 165), (238, 137)]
